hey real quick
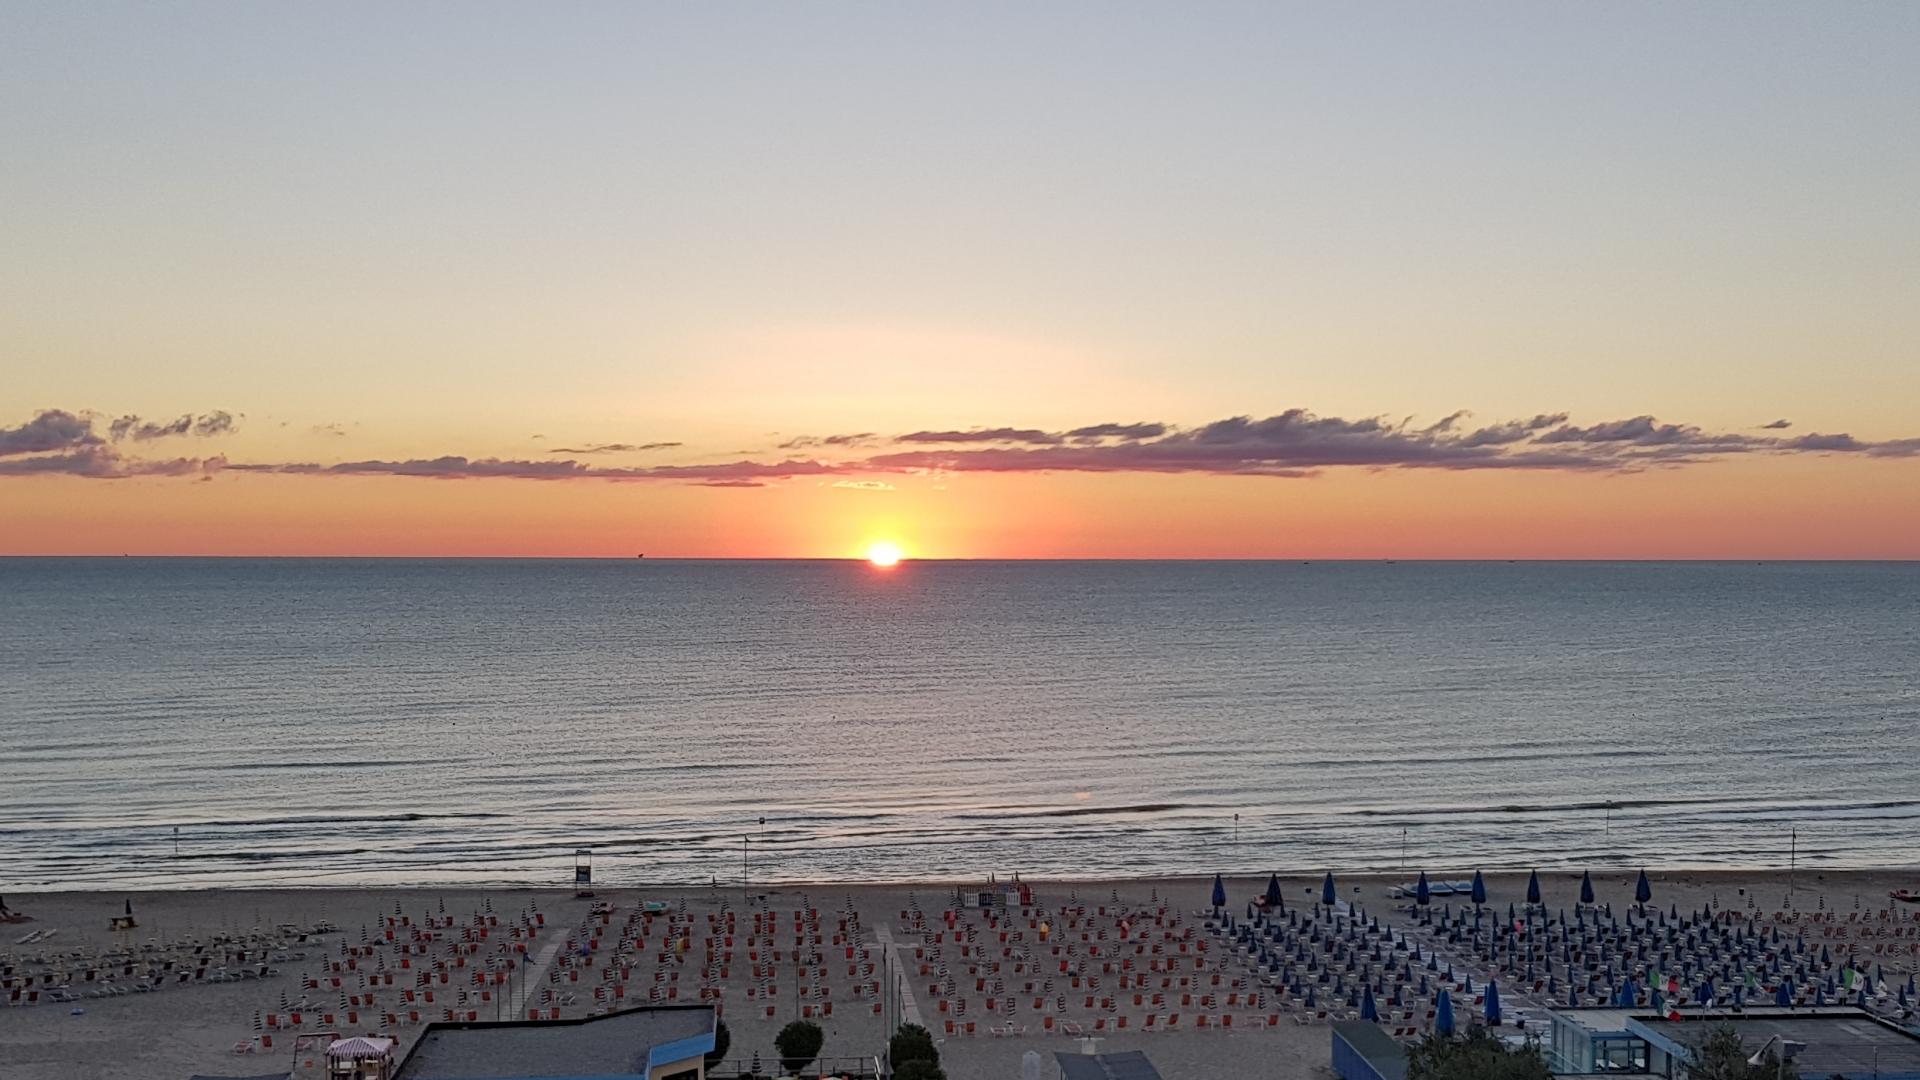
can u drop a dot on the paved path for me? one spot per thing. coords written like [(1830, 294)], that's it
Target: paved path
[(909, 1005), (535, 974)]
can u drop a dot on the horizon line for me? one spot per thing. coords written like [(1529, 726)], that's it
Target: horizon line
[(1385, 559)]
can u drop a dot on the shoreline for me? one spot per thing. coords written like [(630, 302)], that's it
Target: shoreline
[(1387, 878)]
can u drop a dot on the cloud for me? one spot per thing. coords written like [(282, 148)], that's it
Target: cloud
[(1777, 425), (217, 422), (983, 435), (51, 429), (335, 429), (614, 448), (1294, 443), (804, 442), (105, 463), (1645, 431), (1512, 431), (1118, 431), (456, 467)]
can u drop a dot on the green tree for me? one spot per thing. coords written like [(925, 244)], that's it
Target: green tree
[(799, 1043), (722, 1038), (912, 1043), (1476, 1055), (918, 1069), (1724, 1057)]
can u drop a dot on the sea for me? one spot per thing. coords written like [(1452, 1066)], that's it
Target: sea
[(188, 723)]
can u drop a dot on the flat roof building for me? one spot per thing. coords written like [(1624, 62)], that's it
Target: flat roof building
[(1839, 1041), (646, 1043)]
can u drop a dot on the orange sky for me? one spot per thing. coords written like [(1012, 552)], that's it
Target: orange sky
[(775, 247), (1805, 509)]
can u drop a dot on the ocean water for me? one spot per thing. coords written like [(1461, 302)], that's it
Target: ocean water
[(328, 722)]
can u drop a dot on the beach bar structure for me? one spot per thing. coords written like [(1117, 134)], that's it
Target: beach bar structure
[(1838, 1041)]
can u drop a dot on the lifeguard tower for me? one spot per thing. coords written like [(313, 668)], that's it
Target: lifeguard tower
[(583, 873)]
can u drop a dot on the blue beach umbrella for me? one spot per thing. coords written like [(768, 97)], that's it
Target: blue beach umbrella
[(1533, 888), (1368, 1011), (1783, 996), (1443, 1014), (1642, 890), (1422, 895), (1586, 887), (1219, 892), (1273, 891), (1493, 1004), (1327, 893), (1479, 889)]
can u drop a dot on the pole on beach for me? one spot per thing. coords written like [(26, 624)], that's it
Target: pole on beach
[(1793, 860)]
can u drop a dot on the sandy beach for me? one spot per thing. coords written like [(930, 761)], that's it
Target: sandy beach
[(193, 1025)]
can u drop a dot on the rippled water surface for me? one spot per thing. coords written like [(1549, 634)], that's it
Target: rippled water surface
[(373, 721)]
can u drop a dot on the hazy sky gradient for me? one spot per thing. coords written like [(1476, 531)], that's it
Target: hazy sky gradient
[(383, 233)]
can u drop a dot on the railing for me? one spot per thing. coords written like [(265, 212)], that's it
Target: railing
[(853, 1068)]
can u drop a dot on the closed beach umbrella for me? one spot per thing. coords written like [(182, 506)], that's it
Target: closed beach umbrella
[(1422, 895), (1443, 1014), (1493, 1004), (1783, 996), (1326, 890), (1533, 887), (1273, 891), (1368, 1011), (1219, 892), (1586, 887), (1642, 890), (1479, 889)]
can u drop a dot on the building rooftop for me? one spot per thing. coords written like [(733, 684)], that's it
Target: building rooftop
[(1132, 1065), (617, 1044), (1839, 1040)]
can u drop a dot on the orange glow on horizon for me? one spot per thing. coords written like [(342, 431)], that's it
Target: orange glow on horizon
[(883, 553)]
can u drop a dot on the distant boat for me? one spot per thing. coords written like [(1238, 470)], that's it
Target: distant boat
[(642, 555)]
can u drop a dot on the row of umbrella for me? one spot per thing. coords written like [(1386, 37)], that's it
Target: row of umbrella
[(1423, 891)]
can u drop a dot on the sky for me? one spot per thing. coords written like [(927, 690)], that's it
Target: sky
[(986, 281)]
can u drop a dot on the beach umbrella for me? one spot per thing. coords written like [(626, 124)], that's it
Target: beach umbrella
[(1783, 996), (1273, 890), (1310, 997), (1642, 890), (1327, 893), (1219, 892), (1479, 889), (1573, 996), (1368, 1011), (1586, 887), (1493, 1004), (1422, 894), (1443, 1014), (1533, 887)]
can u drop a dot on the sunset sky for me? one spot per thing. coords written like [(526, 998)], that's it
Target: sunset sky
[(985, 280)]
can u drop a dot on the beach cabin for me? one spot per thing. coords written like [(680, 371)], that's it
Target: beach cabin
[(361, 1058)]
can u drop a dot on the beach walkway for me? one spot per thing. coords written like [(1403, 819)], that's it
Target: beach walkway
[(536, 972), (909, 1005)]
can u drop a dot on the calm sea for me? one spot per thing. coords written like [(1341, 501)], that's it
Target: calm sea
[(377, 721)]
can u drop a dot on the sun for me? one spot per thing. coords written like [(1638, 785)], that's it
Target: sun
[(883, 553)]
